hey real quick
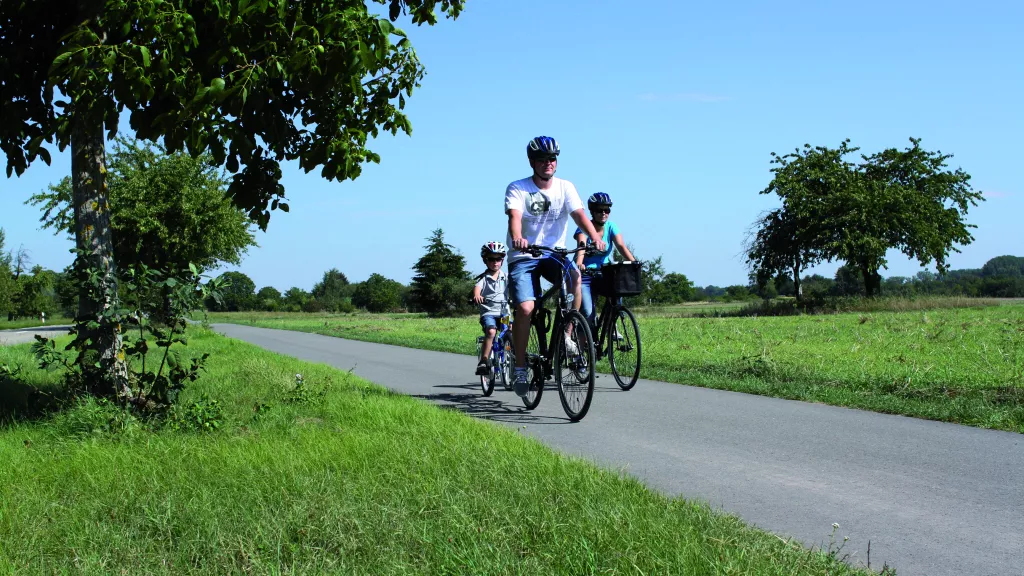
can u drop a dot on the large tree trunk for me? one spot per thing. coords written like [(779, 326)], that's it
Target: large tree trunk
[(872, 281), (97, 299)]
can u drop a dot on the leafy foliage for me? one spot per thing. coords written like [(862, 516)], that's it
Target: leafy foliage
[(7, 283), (1009, 266), (441, 285), (237, 292), (333, 292), (253, 82), (166, 210), (295, 299), (268, 298), (154, 312), (378, 294)]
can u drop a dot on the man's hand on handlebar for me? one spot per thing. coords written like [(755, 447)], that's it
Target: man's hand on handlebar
[(520, 243)]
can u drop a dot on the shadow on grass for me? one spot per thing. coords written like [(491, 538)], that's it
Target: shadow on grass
[(502, 406), (24, 402)]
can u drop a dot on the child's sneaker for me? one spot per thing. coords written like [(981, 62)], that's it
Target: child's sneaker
[(521, 381), (482, 369)]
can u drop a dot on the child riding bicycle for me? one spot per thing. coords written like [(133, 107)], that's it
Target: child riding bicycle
[(491, 295)]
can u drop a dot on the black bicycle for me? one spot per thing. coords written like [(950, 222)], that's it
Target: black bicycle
[(618, 334), (569, 354)]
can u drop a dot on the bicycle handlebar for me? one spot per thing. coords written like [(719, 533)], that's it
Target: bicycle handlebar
[(535, 250)]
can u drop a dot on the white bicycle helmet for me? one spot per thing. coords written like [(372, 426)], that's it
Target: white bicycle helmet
[(493, 248)]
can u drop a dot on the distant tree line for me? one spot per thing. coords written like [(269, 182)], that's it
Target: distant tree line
[(1000, 277), (440, 288)]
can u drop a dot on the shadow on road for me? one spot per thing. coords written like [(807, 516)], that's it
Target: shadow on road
[(502, 406)]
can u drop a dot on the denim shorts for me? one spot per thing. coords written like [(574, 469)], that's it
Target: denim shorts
[(524, 276), (489, 322)]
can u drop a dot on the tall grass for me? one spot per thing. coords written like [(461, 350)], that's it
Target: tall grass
[(347, 478)]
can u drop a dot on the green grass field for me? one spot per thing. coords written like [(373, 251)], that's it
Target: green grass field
[(345, 478), (962, 365)]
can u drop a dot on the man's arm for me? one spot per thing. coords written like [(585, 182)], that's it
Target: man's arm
[(515, 228), (580, 217)]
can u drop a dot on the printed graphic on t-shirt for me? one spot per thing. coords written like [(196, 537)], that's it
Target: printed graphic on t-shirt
[(538, 204)]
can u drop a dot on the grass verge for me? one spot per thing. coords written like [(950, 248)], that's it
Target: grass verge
[(342, 477), (956, 365)]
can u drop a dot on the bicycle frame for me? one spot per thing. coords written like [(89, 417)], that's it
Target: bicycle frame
[(497, 346), (605, 320), (539, 316)]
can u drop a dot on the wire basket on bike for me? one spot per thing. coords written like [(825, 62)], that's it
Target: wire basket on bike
[(621, 279)]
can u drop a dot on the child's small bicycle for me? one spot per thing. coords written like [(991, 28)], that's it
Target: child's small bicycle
[(501, 360)]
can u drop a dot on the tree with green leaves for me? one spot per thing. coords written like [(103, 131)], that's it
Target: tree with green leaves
[(1010, 266), (378, 294), (848, 281), (791, 239), (333, 291), (166, 210), (441, 286), (252, 83), (268, 298), (671, 288), (294, 299), (906, 200), (238, 293), (35, 293)]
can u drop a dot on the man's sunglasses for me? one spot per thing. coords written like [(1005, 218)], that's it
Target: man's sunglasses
[(602, 210), (494, 258)]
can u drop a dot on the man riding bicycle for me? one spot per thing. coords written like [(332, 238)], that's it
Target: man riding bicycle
[(538, 211)]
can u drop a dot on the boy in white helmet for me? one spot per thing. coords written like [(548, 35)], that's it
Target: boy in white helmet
[(491, 295)]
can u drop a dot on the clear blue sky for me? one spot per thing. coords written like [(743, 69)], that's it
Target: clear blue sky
[(671, 107)]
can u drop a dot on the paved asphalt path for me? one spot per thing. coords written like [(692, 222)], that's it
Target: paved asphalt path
[(23, 335), (932, 498)]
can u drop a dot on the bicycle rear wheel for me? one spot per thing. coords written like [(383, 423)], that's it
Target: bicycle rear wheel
[(535, 367), (574, 365), (487, 382), (624, 348)]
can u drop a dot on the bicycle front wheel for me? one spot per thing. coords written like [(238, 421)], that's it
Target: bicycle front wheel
[(508, 360), (574, 365), (535, 365), (624, 348)]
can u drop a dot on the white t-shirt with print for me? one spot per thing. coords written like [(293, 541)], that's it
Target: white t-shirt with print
[(545, 212)]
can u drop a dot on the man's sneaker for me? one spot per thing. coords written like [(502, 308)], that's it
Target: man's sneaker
[(482, 369), (521, 381), (571, 349)]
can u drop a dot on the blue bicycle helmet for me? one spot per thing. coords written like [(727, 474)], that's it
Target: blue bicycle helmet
[(542, 147), (599, 199)]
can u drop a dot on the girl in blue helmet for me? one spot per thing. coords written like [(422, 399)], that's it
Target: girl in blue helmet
[(600, 205)]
